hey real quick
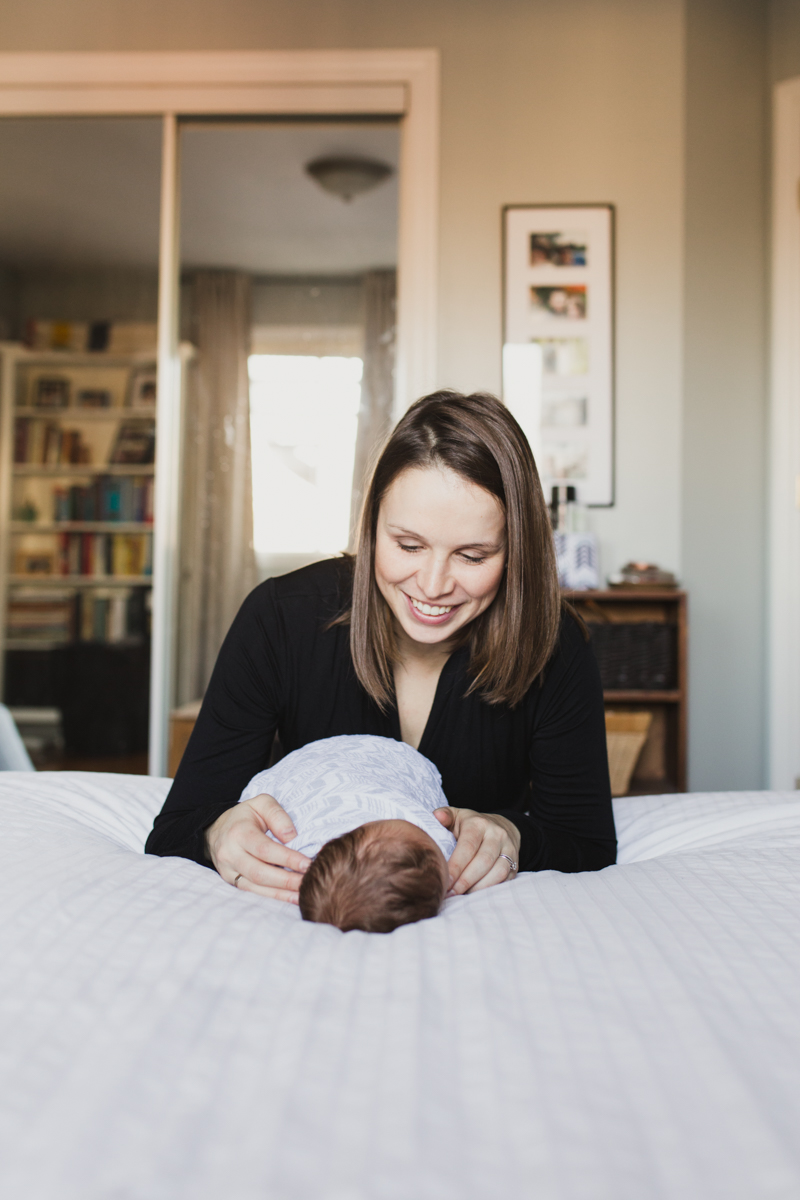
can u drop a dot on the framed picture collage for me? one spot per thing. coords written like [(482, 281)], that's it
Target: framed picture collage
[(558, 361)]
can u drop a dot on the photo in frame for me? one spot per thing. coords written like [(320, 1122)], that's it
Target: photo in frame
[(142, 388), (558, 341)]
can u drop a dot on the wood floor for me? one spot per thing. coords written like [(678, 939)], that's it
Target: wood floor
[(125, 764)]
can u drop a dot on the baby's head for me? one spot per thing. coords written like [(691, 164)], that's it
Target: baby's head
[(376, 877)]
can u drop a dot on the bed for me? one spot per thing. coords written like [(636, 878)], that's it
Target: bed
[(624, 1035)]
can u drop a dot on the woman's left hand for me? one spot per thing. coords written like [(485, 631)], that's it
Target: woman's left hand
[(481, 838)]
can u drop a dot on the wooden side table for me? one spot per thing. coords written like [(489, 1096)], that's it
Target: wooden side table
[(662, 763), (181, 724)]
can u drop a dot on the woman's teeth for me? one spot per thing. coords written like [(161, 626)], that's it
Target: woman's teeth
[(431, 610)]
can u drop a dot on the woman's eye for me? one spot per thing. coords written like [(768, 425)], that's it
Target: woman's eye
[(410, 549), (468, 558)]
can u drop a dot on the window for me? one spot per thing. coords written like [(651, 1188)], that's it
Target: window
[(303, 421)]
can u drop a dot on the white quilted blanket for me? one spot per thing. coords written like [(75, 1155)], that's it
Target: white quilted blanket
[(627, 1035)]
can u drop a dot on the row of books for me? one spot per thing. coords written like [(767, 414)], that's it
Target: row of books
[(96, 555), (42, 442), (117, 337), (46, 443), (107, 498), (99, 615), (102, 554)]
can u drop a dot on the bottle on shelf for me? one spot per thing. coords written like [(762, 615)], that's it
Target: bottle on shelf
[(566, 514)]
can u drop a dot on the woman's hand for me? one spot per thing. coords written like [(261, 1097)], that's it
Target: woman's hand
[(238, 846), (481, 838)]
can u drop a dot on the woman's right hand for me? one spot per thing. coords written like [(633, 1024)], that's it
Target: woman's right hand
[(246, 857)]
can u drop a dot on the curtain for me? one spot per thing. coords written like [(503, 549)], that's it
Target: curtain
[(217, 559), (377, 384)]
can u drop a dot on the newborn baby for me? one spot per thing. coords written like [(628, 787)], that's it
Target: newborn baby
[(363, 810)]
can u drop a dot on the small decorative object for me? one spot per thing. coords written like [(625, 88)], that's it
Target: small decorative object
[(98, 335), (576, 556), (348, 176), (56, 335), (626, 734), (93, 398), (27, 511), (558, 341), (642, 574), (135, 443), (51, 392), (143, 388)]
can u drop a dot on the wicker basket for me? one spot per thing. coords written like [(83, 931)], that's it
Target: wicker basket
[(626, 734), (641, 655)]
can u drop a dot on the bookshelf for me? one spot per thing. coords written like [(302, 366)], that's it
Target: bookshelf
[(77, 476)]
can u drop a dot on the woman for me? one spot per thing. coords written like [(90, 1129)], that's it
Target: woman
[(446, 632)]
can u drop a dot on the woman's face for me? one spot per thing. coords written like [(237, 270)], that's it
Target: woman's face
[(440, 551)]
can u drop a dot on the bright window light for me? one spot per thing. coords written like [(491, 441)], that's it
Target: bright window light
[(303, 421)]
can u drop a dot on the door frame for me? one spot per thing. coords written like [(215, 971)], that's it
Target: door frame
[(784, 446), (404, 83)]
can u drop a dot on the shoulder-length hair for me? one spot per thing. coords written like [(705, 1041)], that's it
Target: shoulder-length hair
[(510, 643)]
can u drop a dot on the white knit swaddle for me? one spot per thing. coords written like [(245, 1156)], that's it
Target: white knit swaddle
[(334, 785)]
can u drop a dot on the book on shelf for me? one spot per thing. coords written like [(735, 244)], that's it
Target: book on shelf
[(97, 615), (107, 498), (113, 615), (116, 337), (36, 617), (47, 443), (101, 555)]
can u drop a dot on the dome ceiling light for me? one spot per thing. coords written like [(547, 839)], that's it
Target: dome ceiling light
[(347, 177)]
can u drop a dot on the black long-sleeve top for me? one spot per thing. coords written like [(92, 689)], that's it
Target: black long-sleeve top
[(543, 764)]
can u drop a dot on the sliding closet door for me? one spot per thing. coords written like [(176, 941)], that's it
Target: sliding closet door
[(288, 297)]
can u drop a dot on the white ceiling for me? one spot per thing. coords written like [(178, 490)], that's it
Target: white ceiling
[(85, 192), (248, 203)]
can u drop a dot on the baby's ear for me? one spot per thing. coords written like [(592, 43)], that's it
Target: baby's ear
[(445, 816)]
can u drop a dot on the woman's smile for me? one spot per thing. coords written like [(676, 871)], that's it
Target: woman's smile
[(431, 614), (439, 552)]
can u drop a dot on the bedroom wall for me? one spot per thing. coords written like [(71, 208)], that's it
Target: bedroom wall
[(725, 413), (784, 40), (578, 100), (542, 100)]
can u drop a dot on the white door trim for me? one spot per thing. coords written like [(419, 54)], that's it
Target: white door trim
[(784, 466), (330, 82)]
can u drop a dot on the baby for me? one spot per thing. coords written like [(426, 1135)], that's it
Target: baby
[(363, 810)]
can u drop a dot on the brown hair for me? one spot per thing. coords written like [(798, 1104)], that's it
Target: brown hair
[(359, 881), (510, 643)]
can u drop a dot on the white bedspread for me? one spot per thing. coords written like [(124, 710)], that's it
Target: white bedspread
[(632, 1034)]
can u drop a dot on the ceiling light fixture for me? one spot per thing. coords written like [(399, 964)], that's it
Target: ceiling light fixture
[(348, 177)]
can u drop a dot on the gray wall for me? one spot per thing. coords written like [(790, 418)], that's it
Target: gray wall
[(312, 300), (724, 421), (100, 294), (784, 39), (657, 106)]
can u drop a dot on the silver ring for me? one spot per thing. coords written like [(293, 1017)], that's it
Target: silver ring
[(512, 865), (238, 877)]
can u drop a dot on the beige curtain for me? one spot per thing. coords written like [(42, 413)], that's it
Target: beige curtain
[(217, 560), (377, 385)]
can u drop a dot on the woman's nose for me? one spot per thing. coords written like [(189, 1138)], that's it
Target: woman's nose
[(434, 579)]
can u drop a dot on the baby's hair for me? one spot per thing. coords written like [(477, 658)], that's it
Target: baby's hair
[(360, 881)]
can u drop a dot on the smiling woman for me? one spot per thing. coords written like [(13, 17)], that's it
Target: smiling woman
[(445, 631)]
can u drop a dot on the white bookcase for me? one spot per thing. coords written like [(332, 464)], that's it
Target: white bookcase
[(77, 476)]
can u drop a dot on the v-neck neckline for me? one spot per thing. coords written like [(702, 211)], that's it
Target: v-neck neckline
[(443, 686)]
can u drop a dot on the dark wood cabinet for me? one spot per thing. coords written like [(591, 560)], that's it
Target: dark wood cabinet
[(641, 639)]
